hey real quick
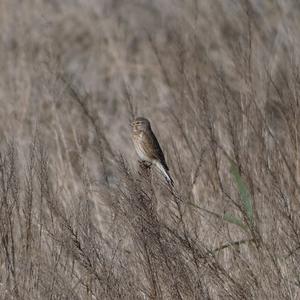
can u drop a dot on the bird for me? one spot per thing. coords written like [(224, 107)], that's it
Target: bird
[(148, 148)]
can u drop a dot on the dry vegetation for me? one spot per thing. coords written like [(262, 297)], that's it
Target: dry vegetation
[(80, 219)]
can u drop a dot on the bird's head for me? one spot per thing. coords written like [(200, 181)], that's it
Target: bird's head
[(140, 124)]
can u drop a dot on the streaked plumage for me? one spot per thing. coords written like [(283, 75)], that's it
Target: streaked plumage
[(147, 146)]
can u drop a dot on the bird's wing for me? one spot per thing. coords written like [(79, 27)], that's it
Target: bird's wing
[(152, 148)]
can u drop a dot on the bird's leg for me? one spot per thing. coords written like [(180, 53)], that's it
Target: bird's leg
[(144, 164), (145, 173), (144, 169)]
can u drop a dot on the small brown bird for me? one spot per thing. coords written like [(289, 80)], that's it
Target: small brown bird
[(147, 146)]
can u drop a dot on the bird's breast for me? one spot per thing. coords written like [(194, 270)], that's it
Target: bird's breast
[(138, 143)]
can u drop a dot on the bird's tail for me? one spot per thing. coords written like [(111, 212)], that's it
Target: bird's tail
[(165, 172)]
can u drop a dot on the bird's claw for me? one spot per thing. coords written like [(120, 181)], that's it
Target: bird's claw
[(145, 164)]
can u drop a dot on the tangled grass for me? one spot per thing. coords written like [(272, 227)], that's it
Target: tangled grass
[(80, 219)]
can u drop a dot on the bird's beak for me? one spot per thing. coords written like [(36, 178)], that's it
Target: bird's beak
[(132, 124)]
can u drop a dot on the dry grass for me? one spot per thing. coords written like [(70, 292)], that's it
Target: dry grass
[(80, 219)]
